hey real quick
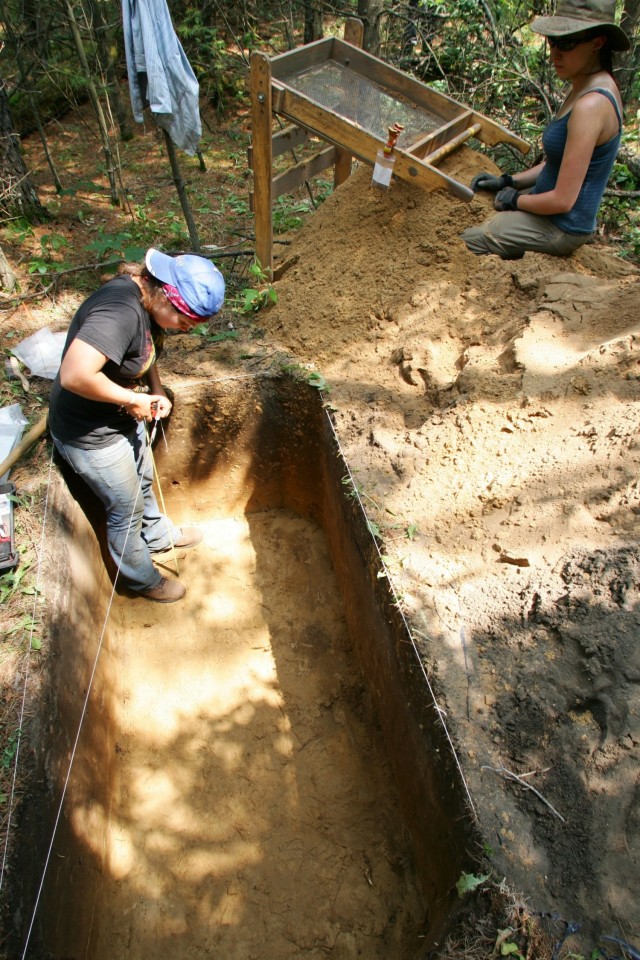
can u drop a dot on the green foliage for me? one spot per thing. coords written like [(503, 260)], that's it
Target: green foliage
[(82, 186), (480, 53), (510, 949), (351, 488), (120, 244), (289, 213), (26, 624), (237, 205), (39, 265), (176, 232), (260, 296), (468, 882), (285, 214), (219, 71), (374, 529), (202, 330), (318, 381), (619, 215), (9, 752), (141, 212), (19, 230), (594, 955), (53, 242), (50, 244), (11, 582)]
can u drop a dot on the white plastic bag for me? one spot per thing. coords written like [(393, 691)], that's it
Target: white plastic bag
[(12, 424), (42, 353)]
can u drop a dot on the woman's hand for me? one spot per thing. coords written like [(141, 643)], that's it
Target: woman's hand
[(491, 182), (148, 406), (157, 391), (506, 199), (161, 405), (81, 373)]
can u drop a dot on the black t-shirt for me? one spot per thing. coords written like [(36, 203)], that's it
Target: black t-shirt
[(113, 321)]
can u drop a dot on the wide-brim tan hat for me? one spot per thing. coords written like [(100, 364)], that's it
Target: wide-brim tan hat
[(574, 16)]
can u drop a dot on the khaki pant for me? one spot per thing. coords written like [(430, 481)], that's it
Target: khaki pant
[(510, 234)]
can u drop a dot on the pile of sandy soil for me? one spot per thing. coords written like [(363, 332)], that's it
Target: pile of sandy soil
[(489, 411)]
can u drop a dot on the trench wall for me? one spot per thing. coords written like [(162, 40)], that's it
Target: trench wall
[(282, 433), (56, 886), (243, 445)]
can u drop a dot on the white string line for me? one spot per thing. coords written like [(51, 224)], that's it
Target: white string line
[(150, 439), (82, 715), (438, 709), (39, 554), (199, 382), (146, 454)]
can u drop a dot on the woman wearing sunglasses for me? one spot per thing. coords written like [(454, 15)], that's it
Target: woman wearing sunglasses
[(552, 207), (106, 389)]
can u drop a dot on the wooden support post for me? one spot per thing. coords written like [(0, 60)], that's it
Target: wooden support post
[(353, 34), (260, 83), (354, 31)]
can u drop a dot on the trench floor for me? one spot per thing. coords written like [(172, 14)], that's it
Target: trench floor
[(254, 814)]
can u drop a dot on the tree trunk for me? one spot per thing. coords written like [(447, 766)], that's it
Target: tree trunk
[(410, 38), (629, 62), (95, 102), (18, 197), (630, 16), (182, 193), (630, 160), (369, 12), (45, 144), (106, 48), (312, 22)]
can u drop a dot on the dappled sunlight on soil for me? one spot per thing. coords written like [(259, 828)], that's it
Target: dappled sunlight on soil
[(254, 815)]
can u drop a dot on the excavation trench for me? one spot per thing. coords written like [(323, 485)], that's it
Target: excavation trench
[(261, 771)]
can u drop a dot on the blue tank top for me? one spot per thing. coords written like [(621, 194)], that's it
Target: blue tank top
[(582, 216)]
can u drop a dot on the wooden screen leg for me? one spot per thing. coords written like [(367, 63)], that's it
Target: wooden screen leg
[(342, 167), (353, 34), (260, 82)]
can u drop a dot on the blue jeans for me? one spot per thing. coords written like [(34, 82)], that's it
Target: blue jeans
[(121, 475)]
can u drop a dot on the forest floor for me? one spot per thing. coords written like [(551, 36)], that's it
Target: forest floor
[(489, 412)]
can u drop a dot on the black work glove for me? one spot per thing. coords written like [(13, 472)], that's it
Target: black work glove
[(506, 199), (488, 181)]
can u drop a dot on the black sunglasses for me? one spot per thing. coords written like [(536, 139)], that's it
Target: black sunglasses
[(565, 44)]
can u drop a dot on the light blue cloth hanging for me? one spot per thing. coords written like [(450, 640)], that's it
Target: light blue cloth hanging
[(160, 76)]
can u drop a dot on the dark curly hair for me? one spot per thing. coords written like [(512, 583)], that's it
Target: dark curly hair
[(149, 294), (152, 287)]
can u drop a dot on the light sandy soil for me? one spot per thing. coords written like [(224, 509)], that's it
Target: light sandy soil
[(254, 817), (490, 413)]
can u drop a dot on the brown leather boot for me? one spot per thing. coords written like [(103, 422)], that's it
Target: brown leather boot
[(167, 591)]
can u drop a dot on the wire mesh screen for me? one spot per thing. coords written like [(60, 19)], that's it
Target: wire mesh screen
[(346, 93)]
